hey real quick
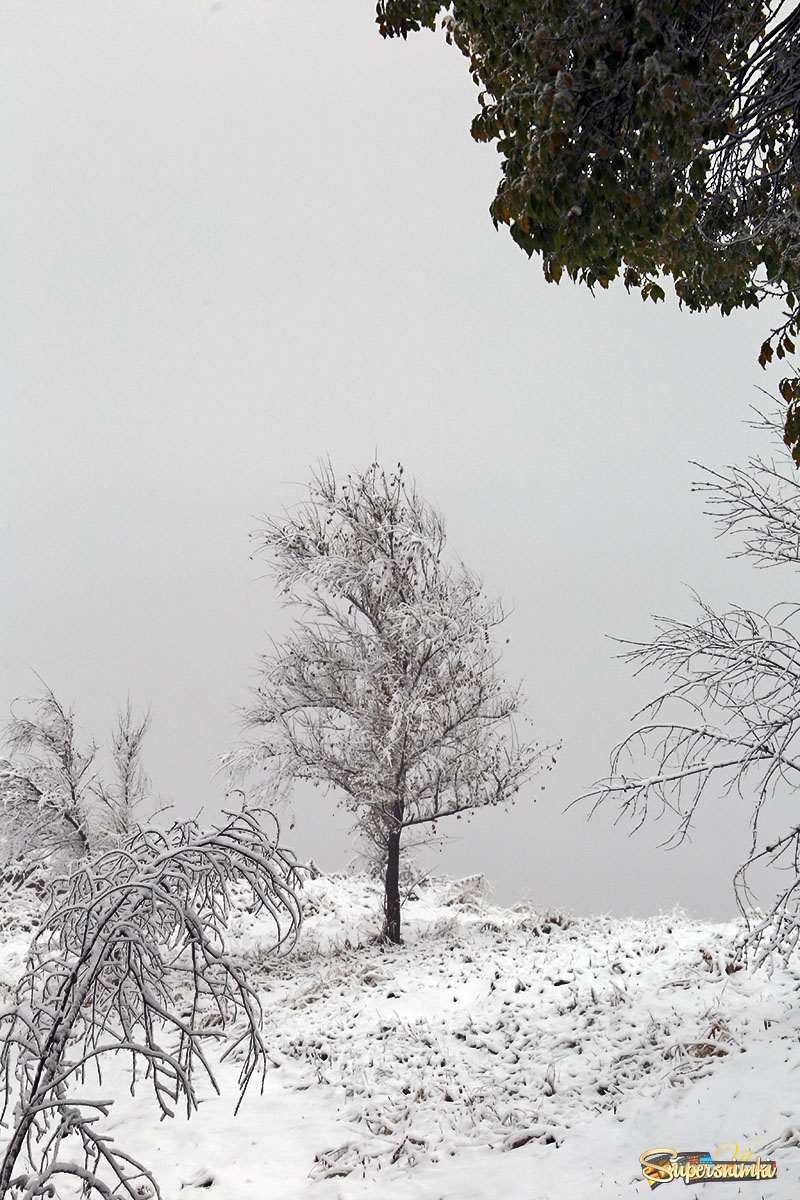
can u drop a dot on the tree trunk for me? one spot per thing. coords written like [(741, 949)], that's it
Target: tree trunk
[(391, 904)]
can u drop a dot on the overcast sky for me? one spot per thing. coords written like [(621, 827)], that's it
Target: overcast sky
[(237, 236)]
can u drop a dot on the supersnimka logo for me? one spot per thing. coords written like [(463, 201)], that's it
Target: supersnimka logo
[(697, 1166)]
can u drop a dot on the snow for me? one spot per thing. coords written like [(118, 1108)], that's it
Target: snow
[(496, 1052)]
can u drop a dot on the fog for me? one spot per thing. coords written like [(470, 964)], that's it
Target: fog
[(239, 237)]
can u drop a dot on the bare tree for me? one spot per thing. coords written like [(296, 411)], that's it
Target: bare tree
[(57, 796), (131, 957), (42, 730), (729, 719), (387, 689), (131, 785)]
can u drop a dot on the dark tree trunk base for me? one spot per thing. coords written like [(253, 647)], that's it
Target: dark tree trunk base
[(391, 906)]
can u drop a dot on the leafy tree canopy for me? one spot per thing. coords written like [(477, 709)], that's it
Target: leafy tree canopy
[(643, 139)]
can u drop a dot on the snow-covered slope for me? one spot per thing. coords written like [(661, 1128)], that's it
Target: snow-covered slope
[(495, 1053)]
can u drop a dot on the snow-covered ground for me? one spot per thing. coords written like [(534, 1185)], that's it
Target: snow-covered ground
[(496, 1053)]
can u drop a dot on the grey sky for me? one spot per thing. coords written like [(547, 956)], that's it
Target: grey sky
[(235, 237)]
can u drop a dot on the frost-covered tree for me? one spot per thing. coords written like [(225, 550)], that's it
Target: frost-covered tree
[(728, 721), (387, 689), (129, 788), (56, 797), (131, 957)]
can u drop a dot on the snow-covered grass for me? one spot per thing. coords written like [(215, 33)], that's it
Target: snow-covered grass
[(507, 1053)]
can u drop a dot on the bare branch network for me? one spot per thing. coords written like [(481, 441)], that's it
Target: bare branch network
[(729, 720), (131, 957)]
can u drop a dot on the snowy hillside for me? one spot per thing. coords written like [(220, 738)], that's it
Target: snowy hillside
[(495, 1053)]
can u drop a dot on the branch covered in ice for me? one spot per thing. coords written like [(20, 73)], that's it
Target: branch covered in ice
[(131, 956)]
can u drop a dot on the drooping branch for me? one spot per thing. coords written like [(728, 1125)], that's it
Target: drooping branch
[(121, 938)]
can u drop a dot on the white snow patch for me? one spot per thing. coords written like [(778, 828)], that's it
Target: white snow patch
[(495, 1053)]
